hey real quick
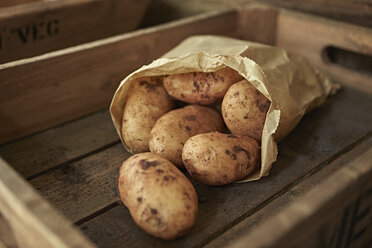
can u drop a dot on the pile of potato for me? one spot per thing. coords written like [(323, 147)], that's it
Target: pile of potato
[(215, 148)]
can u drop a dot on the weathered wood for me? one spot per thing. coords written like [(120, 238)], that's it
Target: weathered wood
[(34, 154), (358, 12), (84, 187), (31, 220), (323, 136), (258, 23), (309, 36), (36, 27), (7, 3), (85, 191), (65, 90), (336, 212), (263, 214), (62, 93)]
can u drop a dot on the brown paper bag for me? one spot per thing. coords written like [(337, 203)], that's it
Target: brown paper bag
[(289, 82)]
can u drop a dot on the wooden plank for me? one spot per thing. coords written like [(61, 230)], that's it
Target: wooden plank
[(51, 148), (309, 36), (64, 91), (84, 187), (358, 12), (258, 23), (7, 3), (293, 194), (37, 27), (323, 135), (335, 213), (31, 220)]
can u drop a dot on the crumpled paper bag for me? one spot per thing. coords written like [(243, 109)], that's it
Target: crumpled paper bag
[(292, 85)]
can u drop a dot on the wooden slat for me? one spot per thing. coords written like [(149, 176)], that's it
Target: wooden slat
[(37, 153), (7, 3), (320, 137), (336, 213), (36, 27), (83, 188), (47, 90), (295, 193), (29, 219), (255, 19), (309, 36), (358, 12)]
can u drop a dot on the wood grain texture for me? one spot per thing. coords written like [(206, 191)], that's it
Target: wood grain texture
[(320, 138), (357, 12), (31, 220), (258, 23), (85, 190), (64, 91), (84, 187), (293, 194), (309, 36), (34, 154), (38, 27), (354, 11), (7, 3), (336, 212)]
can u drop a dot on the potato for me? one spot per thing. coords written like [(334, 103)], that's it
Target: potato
[(147, 101), (218, 158), (201, 87), (171, 131), (160, 198), (244, 110)]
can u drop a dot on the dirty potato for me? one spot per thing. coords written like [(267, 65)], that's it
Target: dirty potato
[(160, 198), (244, 109), (218, 158), (171, 131), (201, 87), (147, 101)]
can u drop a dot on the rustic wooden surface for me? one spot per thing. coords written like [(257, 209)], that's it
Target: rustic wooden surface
[(295, 193), (26, 220), (252, 20), (84, 187), (357, 12), (69, 142), (38, 27), (336, 213), (7, 3), (65, 90), (314, 35), (85, 190), (81, 180)]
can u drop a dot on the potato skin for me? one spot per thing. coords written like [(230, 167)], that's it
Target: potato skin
[(160, 198), (171, 131), (147, 101), (244, 109), (201, 87), (219, 158)]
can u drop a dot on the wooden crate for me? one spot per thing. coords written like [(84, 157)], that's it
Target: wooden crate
[(319, 190), (358, 12), (34, 27)]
